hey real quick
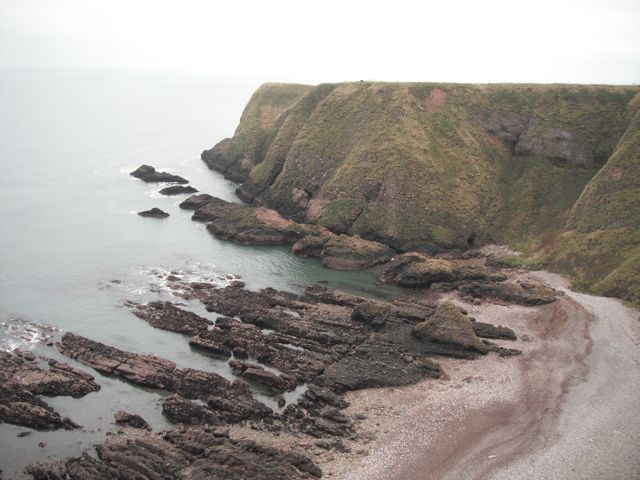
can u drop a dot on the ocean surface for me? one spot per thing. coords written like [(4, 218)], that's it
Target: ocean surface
[(73, 249)]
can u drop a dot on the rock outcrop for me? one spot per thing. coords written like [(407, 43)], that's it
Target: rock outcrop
[(178, 190), (154, 213), (417, 270), (148, 174), (448, 325), (185, 453), (23, 380)]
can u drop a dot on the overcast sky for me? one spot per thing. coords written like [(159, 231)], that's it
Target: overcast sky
[(461, 41)]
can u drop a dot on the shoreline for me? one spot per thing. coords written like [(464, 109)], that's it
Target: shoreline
[(494, 418)]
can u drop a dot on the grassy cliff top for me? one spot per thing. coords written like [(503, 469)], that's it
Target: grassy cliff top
[(429, 166)]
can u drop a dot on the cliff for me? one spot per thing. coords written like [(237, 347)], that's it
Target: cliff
[(425, 167)]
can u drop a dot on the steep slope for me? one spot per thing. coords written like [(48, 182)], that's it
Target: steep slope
[(434, 166), (260, 119), (600, 247)]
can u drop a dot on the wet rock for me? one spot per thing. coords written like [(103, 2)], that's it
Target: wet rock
[(449, 326), (186, 453), (345, 252), (146, 370), (246, 340), (522, 293), (233, 401), (166, 316), (154, 213), (149, 174), (131, 420), (178, 190), (180, 410), (21, 382), (418, 270), (256, 373), (23, 408), (196, 201)]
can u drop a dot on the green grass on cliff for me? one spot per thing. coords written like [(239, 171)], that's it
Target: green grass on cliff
[(423, 166)]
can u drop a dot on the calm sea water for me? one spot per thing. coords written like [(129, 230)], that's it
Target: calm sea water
[(68, 228)]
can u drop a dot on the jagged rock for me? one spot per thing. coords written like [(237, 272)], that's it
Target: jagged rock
[(22, 380), (166, 316), (196, 201), (178, 190), (21, 407), (233, 400), (345, 252), (418, 270), (135, 421), (256, 373), (522, 293), (149, 174), (190, 453), (449, 326), (154, 213)]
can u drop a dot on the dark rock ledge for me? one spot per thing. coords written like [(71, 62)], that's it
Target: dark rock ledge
[(148, 174), (23, 378), (154, 213)]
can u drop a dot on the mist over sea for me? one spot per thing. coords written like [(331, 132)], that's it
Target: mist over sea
[(73, 248)]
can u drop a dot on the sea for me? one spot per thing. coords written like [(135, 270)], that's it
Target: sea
[(73, 250)]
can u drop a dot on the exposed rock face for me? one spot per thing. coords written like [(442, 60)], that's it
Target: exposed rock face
[(178, 190), (417, 270), (353, 253), (196, 201), (154, 213), (131, 420), (148, 174), (190, 453), (22, 380), (166, 316), (448, 325)]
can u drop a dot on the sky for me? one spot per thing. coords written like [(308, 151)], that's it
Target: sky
[(546, 41)]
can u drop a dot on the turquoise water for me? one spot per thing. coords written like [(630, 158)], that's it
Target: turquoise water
[(69, 228)]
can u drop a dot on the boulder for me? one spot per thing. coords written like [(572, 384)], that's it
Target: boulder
[(131, 420), (148, 174), (449, 326)]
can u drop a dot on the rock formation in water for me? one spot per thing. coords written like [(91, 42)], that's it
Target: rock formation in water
[(24, 379), (552, 169), (155, 212), (178, 190), (148, 174)]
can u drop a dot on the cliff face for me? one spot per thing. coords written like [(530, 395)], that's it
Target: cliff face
[(432, 166)]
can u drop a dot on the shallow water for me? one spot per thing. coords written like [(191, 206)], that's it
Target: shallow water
[(74, 250)]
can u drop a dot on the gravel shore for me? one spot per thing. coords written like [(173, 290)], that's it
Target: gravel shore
[(566, 409)]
